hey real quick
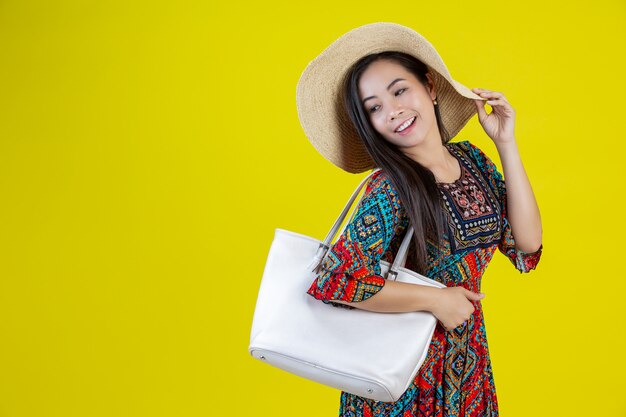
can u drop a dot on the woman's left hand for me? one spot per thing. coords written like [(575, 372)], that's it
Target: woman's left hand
[(500, 122)]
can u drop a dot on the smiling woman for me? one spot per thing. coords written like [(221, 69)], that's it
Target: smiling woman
[(403, 108), (407, 96)]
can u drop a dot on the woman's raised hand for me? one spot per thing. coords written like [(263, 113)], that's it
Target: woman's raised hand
[(500, 123)]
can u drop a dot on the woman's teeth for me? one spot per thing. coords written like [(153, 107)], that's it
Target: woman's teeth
[(406, 124)]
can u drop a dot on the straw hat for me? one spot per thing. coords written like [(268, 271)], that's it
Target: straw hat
[(319, 93)]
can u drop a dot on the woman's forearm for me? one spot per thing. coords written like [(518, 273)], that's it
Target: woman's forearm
[(398, 297), (522, 209)]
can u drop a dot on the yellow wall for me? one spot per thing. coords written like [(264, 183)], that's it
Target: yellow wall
[(148, 151)]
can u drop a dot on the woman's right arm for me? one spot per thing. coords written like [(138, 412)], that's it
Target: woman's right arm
[(399, 297), (451, 305)]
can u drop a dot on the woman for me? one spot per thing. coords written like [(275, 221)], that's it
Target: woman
[(404, 108)]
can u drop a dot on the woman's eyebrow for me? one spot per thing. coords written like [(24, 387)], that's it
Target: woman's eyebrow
[(388, 87)]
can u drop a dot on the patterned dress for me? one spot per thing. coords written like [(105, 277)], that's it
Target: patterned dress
[(456, 377)]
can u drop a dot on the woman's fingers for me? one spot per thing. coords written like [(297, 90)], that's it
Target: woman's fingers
[(488, 93), (493, 97), (491, 94), (496, 101)]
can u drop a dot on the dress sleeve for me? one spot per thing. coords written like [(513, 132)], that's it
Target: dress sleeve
[(351, 271), (523, 261)]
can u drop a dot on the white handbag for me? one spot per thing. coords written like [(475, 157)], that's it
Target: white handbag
[(371, 354)]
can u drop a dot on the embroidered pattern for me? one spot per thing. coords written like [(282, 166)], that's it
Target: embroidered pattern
[(473, 208)]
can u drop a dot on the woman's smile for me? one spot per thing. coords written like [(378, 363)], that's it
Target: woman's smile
[(404, 129)]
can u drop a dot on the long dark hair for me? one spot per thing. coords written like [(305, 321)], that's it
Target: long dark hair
[(416, 185)]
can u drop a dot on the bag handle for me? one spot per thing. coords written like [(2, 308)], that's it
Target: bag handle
[(324, 247)]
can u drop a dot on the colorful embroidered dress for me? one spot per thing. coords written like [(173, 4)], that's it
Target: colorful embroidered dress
[(456, 377)]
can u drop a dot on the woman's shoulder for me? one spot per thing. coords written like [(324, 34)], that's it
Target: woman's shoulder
[(380, 182), (467, 146), (383, 194), (476, 154)]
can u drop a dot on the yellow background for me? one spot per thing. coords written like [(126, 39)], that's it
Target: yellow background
[(148, 151)]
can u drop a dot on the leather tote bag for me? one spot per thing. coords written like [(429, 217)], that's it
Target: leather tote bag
[(371, 354)]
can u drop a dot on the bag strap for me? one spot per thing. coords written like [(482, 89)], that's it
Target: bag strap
[(324, 247)]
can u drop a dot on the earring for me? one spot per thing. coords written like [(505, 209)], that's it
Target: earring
[(435, 102)]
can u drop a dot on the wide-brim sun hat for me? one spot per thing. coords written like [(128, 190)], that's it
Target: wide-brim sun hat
[(319, 93)]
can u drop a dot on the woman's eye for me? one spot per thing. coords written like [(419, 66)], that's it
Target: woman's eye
[(399, 92)]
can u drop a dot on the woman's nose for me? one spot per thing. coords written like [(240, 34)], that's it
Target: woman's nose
[(395, 114)]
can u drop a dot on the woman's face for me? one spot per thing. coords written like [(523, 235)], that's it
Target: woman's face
[(391, 96)]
